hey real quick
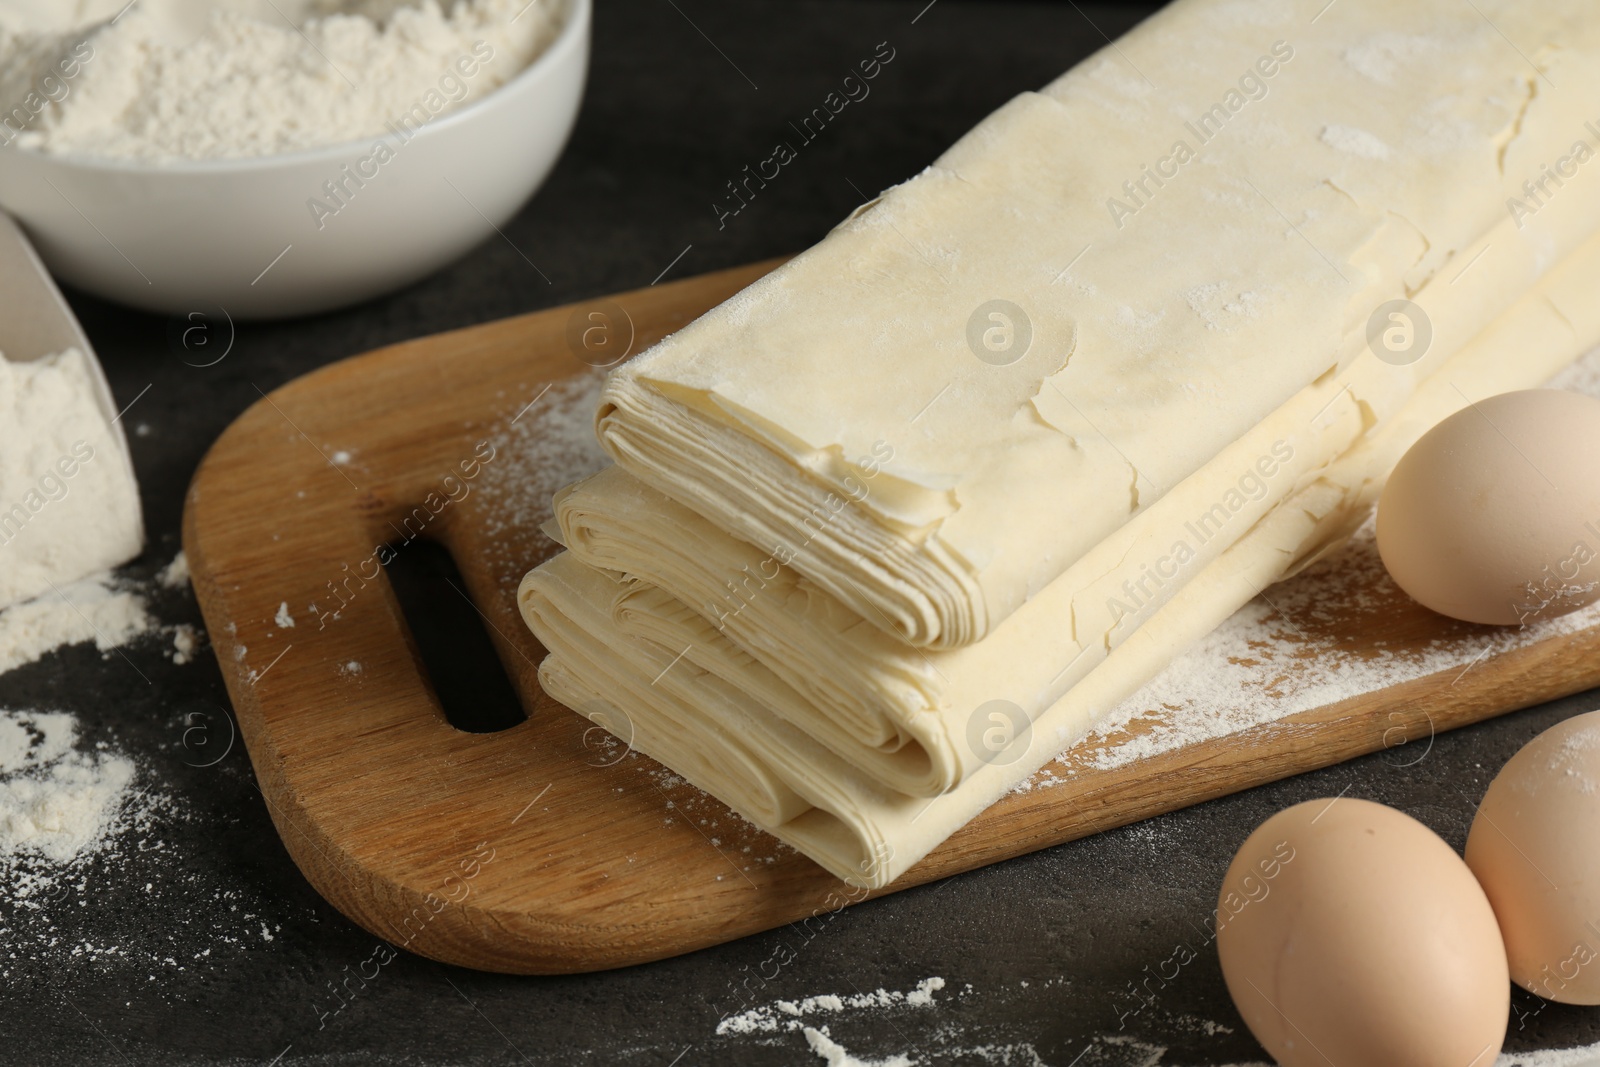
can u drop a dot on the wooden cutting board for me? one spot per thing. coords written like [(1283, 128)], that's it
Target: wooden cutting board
[(537, 849)]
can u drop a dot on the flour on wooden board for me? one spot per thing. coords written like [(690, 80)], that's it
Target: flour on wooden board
[(545, 446), (546, 443), (1273, 658), (741, 842)]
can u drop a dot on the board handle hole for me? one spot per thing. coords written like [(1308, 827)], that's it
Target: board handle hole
[(457, 657)]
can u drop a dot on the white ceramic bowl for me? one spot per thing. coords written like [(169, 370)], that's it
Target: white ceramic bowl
[(239, 235)]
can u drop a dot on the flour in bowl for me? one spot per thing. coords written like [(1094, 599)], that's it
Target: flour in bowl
[(162, 80)]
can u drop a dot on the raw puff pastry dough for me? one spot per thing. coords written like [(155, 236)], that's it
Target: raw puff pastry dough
[(712, 726), (1377, 164)]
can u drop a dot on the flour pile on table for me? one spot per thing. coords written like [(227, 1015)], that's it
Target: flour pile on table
[(837, 1055), (110, 611), (96, 609), (175, 575), (79, 817), (801, 1014), (57, 803), (162, 80)]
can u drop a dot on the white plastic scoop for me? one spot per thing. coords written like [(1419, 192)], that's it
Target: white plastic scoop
[(55, 526), (35, 320)]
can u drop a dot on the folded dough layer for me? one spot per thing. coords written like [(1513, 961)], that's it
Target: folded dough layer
[(847, 413), (713, 736), (796, 648), (904, 715), (868, 835)]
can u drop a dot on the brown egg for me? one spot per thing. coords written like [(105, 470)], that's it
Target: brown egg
[(1351, 934), (1493, 516), (1535, 847)]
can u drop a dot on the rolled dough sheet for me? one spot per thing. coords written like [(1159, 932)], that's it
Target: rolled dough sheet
[(1375, 163), (867, 835)]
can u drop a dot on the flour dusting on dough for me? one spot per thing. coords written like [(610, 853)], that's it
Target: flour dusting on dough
[(1355, 141)]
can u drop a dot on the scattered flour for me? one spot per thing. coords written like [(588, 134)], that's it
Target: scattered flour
[(545, 443), (746, 844), (836, 1056), (1225, 309), (975, 1042), (1383, 55), (174, 79), (80, 819), (1136, 1053), (786, 1014), (283, 618), (937, 1041), (94, 609), (1021, 1054), (1306, 644), (185, 643), (1589, 1056), (56, 803), (175, 575)]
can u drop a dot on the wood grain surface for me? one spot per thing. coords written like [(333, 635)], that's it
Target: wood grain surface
[(535, 849)]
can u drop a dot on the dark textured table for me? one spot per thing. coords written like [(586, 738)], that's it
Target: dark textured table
[(195, 939)]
